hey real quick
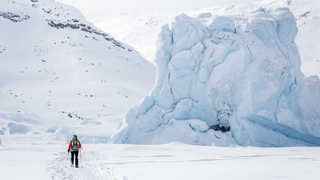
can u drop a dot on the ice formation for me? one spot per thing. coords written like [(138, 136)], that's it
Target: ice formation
[(226, 80)]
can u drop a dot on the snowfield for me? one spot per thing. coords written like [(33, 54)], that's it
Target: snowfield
[(157, 162)]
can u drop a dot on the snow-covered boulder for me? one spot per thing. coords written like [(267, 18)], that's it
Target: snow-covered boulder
[(15, 128), (239, 75)]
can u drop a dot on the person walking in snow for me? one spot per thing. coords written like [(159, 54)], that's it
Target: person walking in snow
[(74, 147)]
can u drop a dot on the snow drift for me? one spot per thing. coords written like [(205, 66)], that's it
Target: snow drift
[(228, 80)]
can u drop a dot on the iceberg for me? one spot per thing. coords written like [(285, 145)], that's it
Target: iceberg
[(228, 80)]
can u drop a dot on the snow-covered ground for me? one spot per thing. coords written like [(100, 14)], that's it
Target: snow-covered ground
[(158, 162)]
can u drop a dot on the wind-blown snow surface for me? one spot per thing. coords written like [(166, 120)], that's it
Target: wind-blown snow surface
[(59, 74), (217, 73), (158, 162)]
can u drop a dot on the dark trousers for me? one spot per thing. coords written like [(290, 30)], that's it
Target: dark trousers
[(75, 154)]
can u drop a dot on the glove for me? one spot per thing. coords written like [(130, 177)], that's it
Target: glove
[(68, 150)]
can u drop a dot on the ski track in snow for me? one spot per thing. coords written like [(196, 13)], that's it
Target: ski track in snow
[(90, 167)]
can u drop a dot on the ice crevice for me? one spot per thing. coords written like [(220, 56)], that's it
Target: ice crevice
[(225, 80)]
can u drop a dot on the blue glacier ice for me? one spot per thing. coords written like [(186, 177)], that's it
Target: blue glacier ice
[(228, 80)]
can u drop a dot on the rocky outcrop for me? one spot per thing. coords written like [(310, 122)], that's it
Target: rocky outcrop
[(16, 18)]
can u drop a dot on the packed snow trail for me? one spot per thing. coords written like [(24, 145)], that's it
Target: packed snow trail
[(90, 167)]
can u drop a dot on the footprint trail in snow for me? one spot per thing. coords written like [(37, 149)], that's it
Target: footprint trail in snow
[(90, 167)]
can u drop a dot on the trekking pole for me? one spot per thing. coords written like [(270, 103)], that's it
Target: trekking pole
[(68, 159), (81, 151), (80, 156)]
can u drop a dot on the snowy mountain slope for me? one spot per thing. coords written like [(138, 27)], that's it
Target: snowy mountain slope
[(232, 79), (141, 32), (61, 72)]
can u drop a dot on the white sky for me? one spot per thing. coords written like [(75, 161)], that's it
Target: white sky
[(100, 10), (119, 17), (105, 15)]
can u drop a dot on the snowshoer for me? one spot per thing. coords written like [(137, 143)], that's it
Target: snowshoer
[(74, 147)]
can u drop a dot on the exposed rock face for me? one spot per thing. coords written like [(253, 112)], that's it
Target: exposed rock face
[(240, 76), (75, 24), (14, 17)]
